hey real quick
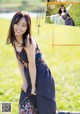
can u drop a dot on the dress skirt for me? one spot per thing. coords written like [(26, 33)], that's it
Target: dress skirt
[(44, 100)]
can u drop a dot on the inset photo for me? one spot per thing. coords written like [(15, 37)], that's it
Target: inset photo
[(63, 14)]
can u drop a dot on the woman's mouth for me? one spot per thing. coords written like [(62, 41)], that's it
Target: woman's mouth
[(18, 31)]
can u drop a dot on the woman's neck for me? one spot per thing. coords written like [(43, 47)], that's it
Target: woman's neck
[(19, 39)]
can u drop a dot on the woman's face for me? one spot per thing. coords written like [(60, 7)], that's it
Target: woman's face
[(62, 9), (20, 27)]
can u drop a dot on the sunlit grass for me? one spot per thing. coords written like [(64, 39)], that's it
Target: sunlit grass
[(64, 62)]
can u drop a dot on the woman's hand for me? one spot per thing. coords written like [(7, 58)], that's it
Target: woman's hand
[(33, 91), (24, 86)]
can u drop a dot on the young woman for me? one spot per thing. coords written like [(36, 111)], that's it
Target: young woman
[(37, 78)]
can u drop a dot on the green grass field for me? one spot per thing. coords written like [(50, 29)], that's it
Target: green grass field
[(64, 62)]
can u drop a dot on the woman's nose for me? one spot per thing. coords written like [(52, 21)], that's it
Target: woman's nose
[(19, 27)]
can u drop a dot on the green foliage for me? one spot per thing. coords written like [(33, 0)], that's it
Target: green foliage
[(75, 14)]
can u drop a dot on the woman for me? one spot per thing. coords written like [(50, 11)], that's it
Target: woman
[(37, 78)]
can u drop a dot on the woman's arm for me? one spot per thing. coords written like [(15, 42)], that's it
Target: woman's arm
[(67, 9), (25, 83), (21, 68), (32, 64), (52, 17)]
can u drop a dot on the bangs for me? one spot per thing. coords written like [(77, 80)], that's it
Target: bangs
[(18, 18)]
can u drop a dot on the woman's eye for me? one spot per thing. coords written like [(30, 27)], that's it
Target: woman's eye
[(17, 23), (24, 25)]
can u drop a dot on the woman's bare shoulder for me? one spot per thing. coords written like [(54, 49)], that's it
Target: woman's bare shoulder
[(33, 44)]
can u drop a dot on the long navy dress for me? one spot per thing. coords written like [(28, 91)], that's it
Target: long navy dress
[(45, 88)]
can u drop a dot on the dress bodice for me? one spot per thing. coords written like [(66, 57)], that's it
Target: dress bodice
[(22, 56)]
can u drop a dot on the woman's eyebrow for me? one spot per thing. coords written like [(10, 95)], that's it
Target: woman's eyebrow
[(24, 23)]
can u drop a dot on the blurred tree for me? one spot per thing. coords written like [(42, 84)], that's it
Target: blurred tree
[(24, 2), (43, 0), (52, 0), (0, 1)]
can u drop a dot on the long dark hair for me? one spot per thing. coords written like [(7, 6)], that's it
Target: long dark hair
[(11, 34), (59, 11)]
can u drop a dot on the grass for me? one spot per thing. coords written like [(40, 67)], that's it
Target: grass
[(64, 62)]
